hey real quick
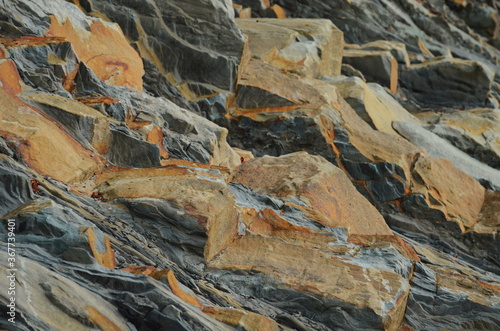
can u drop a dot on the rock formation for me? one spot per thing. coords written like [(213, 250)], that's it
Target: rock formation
[(255, 165)]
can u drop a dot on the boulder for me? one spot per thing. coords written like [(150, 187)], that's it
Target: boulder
[(44, 146), (448, 189), (372, 103), (309, 47), (84, 123), (201, 193), (448, 83), (180, 38), (376, 66), (313, 182), (473, 131), (101, 45)]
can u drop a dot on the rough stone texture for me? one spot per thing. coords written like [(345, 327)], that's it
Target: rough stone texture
[(85, 124), (311, 48), (314, 183), (187, 240), (474, 131), (438, 147), (448, 83), (101, 45), (408, 22), (372, 103), (203, 196), (446, 188), (196, 45), (43, 145), (376, 66)]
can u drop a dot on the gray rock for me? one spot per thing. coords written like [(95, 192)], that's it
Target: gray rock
[(440, 148), (467, 144), (448, 83), (128, 151), (15, 189), (195, 42), (376, 66)]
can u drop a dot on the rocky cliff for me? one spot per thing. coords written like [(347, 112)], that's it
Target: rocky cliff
[(255, 165)]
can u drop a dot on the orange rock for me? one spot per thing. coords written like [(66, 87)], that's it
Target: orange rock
[(449, 189), (316, 182), (101, 321), (376, 145), (155, 136), (385, 240), (138, 270), (44, 145), (243, 319), (32, 41), (280, 12), (104, 49), (309, 270), (203, 195), (9, 77), (176, 289), (106, 259)]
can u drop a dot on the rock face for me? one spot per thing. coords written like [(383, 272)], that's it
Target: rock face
[(165, 166), (466, 83)]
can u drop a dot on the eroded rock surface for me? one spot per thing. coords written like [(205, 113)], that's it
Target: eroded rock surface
[(314, 202)]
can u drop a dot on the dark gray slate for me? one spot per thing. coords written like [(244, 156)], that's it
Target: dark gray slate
[(196, 41), (448, 83), (127, 151)]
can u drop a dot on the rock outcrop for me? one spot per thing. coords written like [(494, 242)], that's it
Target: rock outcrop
[(167, 166)]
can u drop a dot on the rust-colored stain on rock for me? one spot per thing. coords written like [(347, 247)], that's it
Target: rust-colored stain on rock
[(106, 259), (104, 49)]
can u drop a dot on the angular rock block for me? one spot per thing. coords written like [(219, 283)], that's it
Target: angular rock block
[(101, 45), (186, 135), (128, 151), (196, 45), (448, 83), (314, 183), (440, 148), (312, 48), (277, 90), (201, 193), (446, 188), (376, 66), (43, 145), (376, 294), (397, 49), (85, 124), (45, 63), (372, 103)]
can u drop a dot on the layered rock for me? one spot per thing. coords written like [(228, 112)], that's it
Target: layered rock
[(466, 84), (311, 48), (337, 211), (195, 45)]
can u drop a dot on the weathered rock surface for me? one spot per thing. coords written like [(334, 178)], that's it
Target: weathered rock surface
[(132, 212), (196, 45), (474, 131), (313, 182), (438, 147), (311, 48), (376, 66), (454, 83)]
